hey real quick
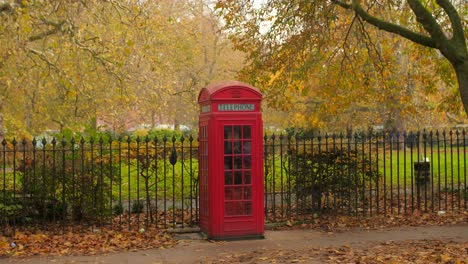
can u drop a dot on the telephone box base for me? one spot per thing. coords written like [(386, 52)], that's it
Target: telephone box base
[(234, 238)]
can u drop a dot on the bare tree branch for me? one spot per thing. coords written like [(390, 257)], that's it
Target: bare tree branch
[(458, 35), (56, 29), (348, 32), (387, 26), (425, 18), (371, 46), (359, 108), (44, 58), (454, 119), (342, 4), (5, 7)]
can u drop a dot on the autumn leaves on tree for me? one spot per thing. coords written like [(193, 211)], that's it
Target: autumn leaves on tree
[(322, 64), (449, 39), (65, 64), (336, 61)]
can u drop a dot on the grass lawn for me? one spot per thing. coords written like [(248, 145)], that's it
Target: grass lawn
[(448, 166), (160, 182)]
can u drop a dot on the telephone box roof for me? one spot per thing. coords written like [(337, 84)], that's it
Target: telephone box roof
[(210, 91)]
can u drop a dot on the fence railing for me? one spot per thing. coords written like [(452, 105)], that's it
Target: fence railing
[(365, 174), (153, 182)]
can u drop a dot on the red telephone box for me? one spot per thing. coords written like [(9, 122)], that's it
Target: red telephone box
[(231, 161)]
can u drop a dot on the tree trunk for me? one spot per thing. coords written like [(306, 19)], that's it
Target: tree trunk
[(153, 119), (461, 69), (176, 124), (2, 130)]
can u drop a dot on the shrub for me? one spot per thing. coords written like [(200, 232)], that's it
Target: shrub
[(168, 133), (68, 184), (334, 173), (10, 211), (137, 207), (118, 209)]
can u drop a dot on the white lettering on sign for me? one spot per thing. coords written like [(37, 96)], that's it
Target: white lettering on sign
[(236, 107), (205, 108)]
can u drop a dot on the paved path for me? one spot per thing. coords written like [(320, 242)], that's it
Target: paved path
[(193, 249)]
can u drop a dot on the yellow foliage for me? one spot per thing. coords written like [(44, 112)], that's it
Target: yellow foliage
[(141, 132)]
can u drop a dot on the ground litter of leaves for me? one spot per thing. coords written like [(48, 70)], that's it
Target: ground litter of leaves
[(411, 251), (90, 241), (82, 242), (338, 223)]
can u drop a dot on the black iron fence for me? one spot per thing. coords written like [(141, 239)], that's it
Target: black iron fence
[(153, 182), (365, 174), (120, 182)]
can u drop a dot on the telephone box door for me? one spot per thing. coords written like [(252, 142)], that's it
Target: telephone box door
[(243, 189)]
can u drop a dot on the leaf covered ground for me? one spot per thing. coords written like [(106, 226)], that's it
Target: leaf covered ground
[(86, 241), (82, 242), (381, 221), (411, 251)]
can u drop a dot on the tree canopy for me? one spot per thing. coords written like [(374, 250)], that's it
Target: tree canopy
[(71, 64), (330, 56), (120, 64)]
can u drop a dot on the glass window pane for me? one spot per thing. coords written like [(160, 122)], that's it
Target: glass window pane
[(248, 208), (227, 132), (238, 206), (227, 147), (248, 193), (237, 132), (228, 178), (237, 147), (237, 193), (247, 177), (237, 162), (247, 132), (238, 177), (247, 147), (247, 161), (228, 163), (228, 193), (233, 208), (229, 209)]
